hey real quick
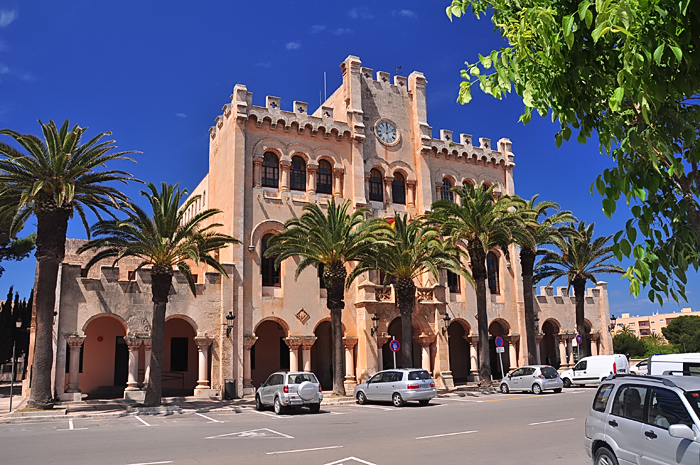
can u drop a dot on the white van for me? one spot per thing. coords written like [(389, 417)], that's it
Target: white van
[(689, 363), (594, 369)]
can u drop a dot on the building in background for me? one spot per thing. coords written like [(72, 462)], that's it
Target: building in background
[(643, 326)]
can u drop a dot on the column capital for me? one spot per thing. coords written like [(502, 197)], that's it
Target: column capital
[(257, 160), (312, 168), (381, 340), (293, 342), (513, 338), (424, 340), (203, 341), (132, 341), (146, 342), (349, 341), (74, 339), (249, 341), (474, 339), (284, 163), (338, 171), (539, 337), (307, 342)]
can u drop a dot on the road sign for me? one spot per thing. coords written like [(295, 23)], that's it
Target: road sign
[(499, 341), (500, 350), (579, 339), (394, 345)]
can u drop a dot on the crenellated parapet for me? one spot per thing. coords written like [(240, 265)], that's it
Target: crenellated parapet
[(465, 151), (298, 120)]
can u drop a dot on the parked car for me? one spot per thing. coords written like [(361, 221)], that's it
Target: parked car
[(644, 419), (688, 364), (398, 386), (594, 369), (283, 390), (640, 368), (535, 378)]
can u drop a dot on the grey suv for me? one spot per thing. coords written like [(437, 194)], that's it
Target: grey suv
[(645, 420), (283, 390)]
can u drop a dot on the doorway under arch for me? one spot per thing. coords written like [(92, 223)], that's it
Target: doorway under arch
[(496, 329), (549, 353), (269, 353), (322, 355), (180, 358), (388, 356), (460, 360), (105, 359)]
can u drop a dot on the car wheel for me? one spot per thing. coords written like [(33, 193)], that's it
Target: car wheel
[(279, 410), (557, 390), (315, 408), (397, 400), (567, 383), (258, 404), (536, 389), (361, 398), (504, 388), (605, 456), (424, 401)]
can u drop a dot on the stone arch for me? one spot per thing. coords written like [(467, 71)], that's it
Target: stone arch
[(499, 327), (110, 315), (403, 168), (328, 319), (459, 357), (504, 324), (549, 345), (468, 180), (296, 152), (394, 329), (187, 318), (330, 155), (269, 145), (262, 228), (278, 320), (379, 164), (443, 173), (554, 323), (465, 324)]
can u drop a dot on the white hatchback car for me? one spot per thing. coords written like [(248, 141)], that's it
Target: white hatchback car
[(398, 386)]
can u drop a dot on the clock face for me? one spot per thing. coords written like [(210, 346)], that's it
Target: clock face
[(386, 132)]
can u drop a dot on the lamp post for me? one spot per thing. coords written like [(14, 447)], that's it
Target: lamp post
[(446, 320), (613, 320), (375, 324), (537, 324), (229, 323), (18, 325)]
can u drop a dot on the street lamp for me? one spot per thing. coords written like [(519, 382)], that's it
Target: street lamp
[(229, 323), (537, 324), (375, 324), (613, 320), (447, 323), (18, 324)]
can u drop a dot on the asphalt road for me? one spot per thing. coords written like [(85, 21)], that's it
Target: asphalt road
[(490, 429)]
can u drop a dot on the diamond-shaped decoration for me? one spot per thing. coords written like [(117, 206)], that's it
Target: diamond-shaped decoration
[(302, 316)]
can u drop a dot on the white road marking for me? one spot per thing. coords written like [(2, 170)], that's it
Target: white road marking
[(303, 450), (251, 434), (378, 407), (151, 463), (268, 414), (355, 459), (337, 413), (211, 420), (551, 421), (460, 400), (142, 421), (70, 427), (446, 434)]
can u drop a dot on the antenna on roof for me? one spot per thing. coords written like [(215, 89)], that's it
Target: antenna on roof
[(325, 95), (396, 70)]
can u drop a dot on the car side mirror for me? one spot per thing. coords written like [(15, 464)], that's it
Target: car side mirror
[(262, 384), (681, 431)]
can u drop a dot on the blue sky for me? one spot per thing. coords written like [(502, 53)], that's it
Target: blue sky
[(157, 74)]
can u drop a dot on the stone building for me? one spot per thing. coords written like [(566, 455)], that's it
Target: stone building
[(369, 143)]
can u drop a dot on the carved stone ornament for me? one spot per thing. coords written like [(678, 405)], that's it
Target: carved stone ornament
[(302, 316), (424, 296), (383, 294)]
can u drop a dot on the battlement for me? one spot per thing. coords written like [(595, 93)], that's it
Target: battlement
[(382, 77), (547, 295), (465, 151)]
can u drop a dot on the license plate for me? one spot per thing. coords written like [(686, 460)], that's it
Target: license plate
[(425, 386)]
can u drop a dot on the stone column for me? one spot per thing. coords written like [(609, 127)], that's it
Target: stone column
[(257, 171), (438, 188), (594, 343), (388, 180), (133, 342), (203, 343), (284, 174), (248, 342), (147, 344), (512, 352), (337, 182), (538, 340), (74, 343), (473, 356), (562, 352), (294, 344), (367, 177), (410, 193), (381, 340), (311, 169), (349, 343), (306, 345), (425, 342)]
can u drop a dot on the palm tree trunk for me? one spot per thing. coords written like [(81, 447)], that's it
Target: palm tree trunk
[(52, 225), (478, 265), (527, 263), (579, 294), (406, 296), (161, 280), (334, 277)]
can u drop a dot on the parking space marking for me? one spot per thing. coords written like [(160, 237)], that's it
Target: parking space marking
[(151, 463), (272, 415), (551, 421), (513, 398), (378, 407), (70, 427), (461, 400), (141, 420), (211, 420), (348, 460), (336, 413), (447, 434), (303, 450), (254, 433)]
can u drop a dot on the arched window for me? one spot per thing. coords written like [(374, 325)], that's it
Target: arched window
[(398, 189), (446, 191), (270, 170), (324, 184), (297, 173), (453, 282), (270, 275), (375, 186), (492, 272)]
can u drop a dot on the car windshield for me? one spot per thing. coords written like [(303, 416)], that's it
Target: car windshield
[(549, 372), (693, 398), (414, 375), (301, 377)]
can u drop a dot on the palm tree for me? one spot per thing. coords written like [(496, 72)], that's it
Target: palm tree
[(479, 223), (331, 240), (162, 241), (52, 179), (579, 259), (406, 251), (538, 233)]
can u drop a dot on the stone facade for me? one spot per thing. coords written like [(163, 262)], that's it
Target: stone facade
[(265, 163)]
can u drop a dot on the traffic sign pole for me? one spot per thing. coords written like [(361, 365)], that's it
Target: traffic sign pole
[(500, 350), (500, 359), (394, 352)]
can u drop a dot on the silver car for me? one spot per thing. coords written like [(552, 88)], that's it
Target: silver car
[(644, 419), (397, 386), (283, 390), (535, 378)]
